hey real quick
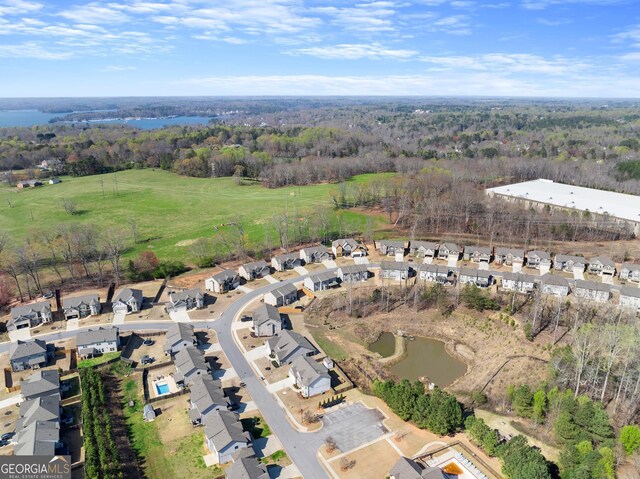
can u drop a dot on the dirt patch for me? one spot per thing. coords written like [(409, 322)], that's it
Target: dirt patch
[(188, 242)]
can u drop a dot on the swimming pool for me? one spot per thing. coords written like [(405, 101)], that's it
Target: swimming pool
[(162, 388)]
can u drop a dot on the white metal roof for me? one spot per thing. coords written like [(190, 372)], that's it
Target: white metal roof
[(617, 205)]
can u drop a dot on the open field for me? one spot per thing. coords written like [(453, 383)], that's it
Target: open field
[(170, 210)]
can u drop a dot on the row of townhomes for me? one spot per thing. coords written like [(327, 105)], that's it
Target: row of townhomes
[(38, 425)]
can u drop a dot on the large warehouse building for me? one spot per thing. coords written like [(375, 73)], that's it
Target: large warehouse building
[(619, 207)]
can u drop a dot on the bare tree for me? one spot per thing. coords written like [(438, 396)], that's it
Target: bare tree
[(70, 206), (114, 242)]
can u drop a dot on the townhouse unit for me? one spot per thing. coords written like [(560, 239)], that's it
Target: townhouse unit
[(478, 254), (435, 273), (282, 295), (630, 272), (288, 345), (592, 291), (206, 396), (222, 282), (509, 256), (538, 259), (518, 282), (266, 320), (602, 266), (94, 342), (321, 281), (189, 363), (224, 435), (423, 249), (554, 284), (569, 263), (353, 273), (479, 277), (395, 270)]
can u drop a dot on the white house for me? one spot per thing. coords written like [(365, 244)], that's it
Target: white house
[(127, 300), (434, 273), (569, 263), (266, 320), (224, 435), (395, 270), (518, 282), (310, 376), (282, 296), (630, 297), (592, 291), (538, 258), (630, 272), (81, 306), (321, 281), (315, 254), (449, 251), (284, 262), (602, 266), (353, 273), (479, 277), (554, 284), (509, 256), (478, 254), (179, 336), (93, 342)]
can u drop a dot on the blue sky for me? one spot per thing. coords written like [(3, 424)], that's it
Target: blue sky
[(579, 48)]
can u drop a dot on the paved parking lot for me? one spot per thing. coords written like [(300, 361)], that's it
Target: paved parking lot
[(353, 426)]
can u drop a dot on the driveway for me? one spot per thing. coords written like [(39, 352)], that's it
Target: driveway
[(280, 385), (118, 318), (329, 263), (257, 353), (224, 374), (271, 279), (353, 426), (20, 334), (10, 401), (265, 446), (180, 316), (301, 270), (245, 289), (578, 273), (73, 324)]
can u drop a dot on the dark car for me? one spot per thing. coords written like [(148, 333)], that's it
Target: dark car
[(4, 443), (7, 435), (148, 342), (146, 359), (47, 294)]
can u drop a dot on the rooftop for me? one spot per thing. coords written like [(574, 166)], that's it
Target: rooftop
[(619, 205), (100, 335)]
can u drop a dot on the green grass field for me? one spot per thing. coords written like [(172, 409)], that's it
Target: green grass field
[(169, 209)]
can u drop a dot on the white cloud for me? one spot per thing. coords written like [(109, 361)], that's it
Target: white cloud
[(510, 62), (94, 13), (347, 51), (118, 68), (542, 4), (555, 22), (363, 17), (18, 7), (32, 50)]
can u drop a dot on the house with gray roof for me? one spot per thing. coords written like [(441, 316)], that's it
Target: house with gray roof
[(190, 364), (255, 270), (30, 354), (538, 258), (41, 438), (630, 297), (282, 295), (29, 316), (423, 249), (310, 377), (406, 468), (518, 282), (283, 262), (207, 396), (449, 251), (179, 336), (46, 408), (435, 273), (247, 466), (478, 254), (353, 273), (81, 306), (481, 278), (592, 291), (509, 256), (94, 342), (602, 266), (569, 263), (266, 320), (45, 382), (396, 270), (315, 254), (288, 345), (127, 300), (321, 281), (391, 247), (630, 272), (185, 300), (554, 284), (224, 435), (346, 247), (223, 281)]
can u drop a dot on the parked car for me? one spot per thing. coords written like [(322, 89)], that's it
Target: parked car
[(4, 443), (7, 435), (148, 342), (47, 294), (243, 384), (67, 420), (146, 359)]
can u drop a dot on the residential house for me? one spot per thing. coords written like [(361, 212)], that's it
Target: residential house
[(391, 247), (29, 316), (592, 290), (353, 273), (509, 256), (347, 247), (395, 270), (94, 342), (569, 263), (247, 466), (179, 336), (207, 396), (190, 364), (185, 300), (127, 300), (554, 284), (449, 251), (630, 297), (321, 281), (481, 278), (478, 254), (266, 320), (315, 254), (45, 382), (310, 377), (537, 259), (30, 354), (518, 282), (288, 345), (81, 306), (424, 249), (435, 273), (53, 164), (284, 262), (255, 270), (406, 468), (282, 295), (45, 408), (630, 272), (224, 435), (602, 266), (223, 281), (40, 438)]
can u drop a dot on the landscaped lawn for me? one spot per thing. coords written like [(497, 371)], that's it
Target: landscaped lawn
[(105, 358), (170, 210), (257, 426)]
